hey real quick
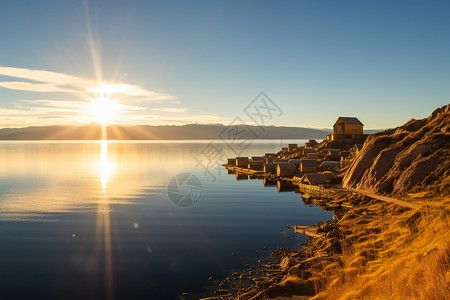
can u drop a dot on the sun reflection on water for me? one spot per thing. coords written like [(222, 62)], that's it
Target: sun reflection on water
[(105, 167)]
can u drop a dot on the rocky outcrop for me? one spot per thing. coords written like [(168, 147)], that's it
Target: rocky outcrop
[(410, 158)]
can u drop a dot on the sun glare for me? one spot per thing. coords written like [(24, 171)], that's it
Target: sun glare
[(103, 110)]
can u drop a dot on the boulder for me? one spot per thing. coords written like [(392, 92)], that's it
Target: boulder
[(287, 262)]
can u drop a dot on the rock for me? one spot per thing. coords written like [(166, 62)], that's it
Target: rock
[(296, 270), (287, 262), (333, 233), (415, 173), (306, 274), (405, 158), (332, 246), (414, 156), (363, 162)]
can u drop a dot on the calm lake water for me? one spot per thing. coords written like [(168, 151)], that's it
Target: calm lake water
[(93, 220)]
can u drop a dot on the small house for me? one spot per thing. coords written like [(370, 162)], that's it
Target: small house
[(270, 168), (256, 165), (348, 125), (347, 128), (241, 176), (322, 152), (242, 162), (330, 166), (308, 165), (280, 160), (286, 170), (257, 158), (311, 143), (292, 147), (232, 161), (334, 152), (313, 155), (296, 162), (270, 160), (329, 176), (314, 179), (299, 175), (269, 182), (308, 150), (285, 186)]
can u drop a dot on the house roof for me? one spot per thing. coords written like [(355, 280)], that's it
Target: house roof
[(308, 162), (270, 165), (334, 151), (242, 158), (299, 175), (315, 178), (350, 120), (294, 160), (309, 150), (328, 163), (286, 166)]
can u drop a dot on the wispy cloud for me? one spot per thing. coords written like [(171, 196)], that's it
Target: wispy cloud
[(7, 112), (43, 76), (34, 87), (138, 105), (128, 90), (47, 82)]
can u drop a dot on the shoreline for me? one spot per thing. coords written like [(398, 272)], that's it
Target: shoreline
[(376, 246), (295, 274), (362, 237), (323, 237)]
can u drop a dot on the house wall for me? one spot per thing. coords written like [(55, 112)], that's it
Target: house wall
[(353, 129), (308, 169), (341, 128), (338, 128)]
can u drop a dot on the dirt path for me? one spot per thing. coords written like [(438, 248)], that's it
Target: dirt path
[(386, 199)]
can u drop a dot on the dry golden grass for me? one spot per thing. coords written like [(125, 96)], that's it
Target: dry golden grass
[(392, 253)]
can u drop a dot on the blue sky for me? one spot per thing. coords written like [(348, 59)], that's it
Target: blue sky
[(177, 62)]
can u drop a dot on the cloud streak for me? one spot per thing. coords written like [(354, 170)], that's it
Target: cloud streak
[(34, 87), (49, 82)]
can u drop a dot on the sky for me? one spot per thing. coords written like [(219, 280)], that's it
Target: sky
[(180, 62)]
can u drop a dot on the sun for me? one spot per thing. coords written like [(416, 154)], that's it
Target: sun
[(103, 110)]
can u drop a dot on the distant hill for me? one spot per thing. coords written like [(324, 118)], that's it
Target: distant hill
[(169, 132)]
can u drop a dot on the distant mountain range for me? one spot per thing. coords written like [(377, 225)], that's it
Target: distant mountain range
[(166, 132)]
